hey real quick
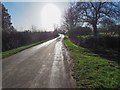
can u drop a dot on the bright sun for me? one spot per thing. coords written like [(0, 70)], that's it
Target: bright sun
[(50, 16)]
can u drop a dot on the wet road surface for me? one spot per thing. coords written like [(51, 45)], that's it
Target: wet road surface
[(42, 66)]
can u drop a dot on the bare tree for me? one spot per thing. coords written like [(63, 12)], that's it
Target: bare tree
[(71, 18), (34, 28), (94, 12)]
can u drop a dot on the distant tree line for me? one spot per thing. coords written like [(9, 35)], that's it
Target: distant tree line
[(11, 38)]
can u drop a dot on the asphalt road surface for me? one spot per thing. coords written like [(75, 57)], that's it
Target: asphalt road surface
[(42, 66)]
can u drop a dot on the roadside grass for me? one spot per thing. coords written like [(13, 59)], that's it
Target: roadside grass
[(16, 50), (91, 70), (105, 46)]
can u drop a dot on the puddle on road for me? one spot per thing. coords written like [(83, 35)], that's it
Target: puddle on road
[(58, 74)]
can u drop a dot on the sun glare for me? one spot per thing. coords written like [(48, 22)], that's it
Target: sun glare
[(50, 16)]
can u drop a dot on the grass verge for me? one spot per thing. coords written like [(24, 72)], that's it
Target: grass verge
[(91, 70), (16, 50)]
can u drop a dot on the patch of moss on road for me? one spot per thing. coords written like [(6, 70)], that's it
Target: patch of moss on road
[(91, 70)]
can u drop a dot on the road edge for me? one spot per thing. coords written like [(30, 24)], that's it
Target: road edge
[(68, 61)]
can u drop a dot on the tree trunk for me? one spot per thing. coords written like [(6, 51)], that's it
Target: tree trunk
[(95, 32)]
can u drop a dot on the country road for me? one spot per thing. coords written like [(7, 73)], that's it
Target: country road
[(42, 66)]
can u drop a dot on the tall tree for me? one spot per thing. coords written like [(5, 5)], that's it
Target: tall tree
[(71, 18), (6, 20), (94, 12), (0, 16)]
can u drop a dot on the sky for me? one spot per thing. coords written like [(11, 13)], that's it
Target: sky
[(43, 15)]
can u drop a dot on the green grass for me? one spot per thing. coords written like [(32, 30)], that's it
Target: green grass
[(91, 70), (84, 36), (109, 34), (16, 50)]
